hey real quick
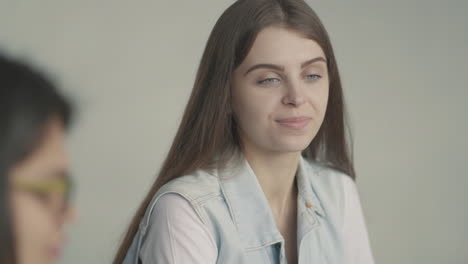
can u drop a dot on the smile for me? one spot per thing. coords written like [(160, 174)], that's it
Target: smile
[(296, 123)]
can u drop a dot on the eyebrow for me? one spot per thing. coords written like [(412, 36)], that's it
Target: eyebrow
[(281, 68)]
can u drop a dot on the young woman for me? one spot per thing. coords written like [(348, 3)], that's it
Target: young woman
[(260, 169), (34, 182)]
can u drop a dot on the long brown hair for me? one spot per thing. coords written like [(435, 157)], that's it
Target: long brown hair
[(207, 135)]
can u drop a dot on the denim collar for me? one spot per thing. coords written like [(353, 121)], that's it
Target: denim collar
[(251, 212)]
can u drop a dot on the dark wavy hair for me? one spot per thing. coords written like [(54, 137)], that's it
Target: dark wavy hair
[(27, 101), (207, 133)]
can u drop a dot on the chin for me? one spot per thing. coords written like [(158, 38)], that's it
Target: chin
[(296, 145)]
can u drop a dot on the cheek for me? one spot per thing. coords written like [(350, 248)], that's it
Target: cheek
[(323, 101), (33, 227), (319, 99), (253, 109)]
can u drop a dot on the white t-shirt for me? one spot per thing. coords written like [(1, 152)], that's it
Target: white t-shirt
[(178, 236)]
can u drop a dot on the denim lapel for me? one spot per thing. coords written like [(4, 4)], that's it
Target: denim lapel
[(251, 211)]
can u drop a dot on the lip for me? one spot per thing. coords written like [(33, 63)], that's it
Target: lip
[(296, 123), (57, 251)]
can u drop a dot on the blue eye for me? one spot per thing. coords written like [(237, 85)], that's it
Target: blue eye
[(268, 81), (313, 76)]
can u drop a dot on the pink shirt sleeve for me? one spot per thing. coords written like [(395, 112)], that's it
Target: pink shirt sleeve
[(177, 235), (357, 248)]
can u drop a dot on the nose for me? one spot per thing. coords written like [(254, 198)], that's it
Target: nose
[(70, 215), (294, 95)]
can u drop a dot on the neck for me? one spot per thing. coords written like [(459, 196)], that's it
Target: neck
[(276, 174)]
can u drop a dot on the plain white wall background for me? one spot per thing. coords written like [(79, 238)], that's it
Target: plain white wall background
[(130, 66)]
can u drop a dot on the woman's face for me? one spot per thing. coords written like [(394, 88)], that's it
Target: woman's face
[(37, 198), (280, 92)]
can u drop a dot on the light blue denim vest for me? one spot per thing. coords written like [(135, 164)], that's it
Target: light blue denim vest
[(231, 203)]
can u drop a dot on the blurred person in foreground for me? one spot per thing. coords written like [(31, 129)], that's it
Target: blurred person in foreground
[(35, 184)]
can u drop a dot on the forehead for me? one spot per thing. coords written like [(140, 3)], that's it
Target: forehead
[(49, 159), (282, 46)]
